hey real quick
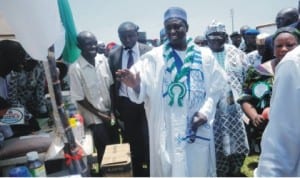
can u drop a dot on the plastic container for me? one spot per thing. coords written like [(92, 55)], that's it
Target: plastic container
[(20, 171), (77, 124), (72, 110), (36, 166)]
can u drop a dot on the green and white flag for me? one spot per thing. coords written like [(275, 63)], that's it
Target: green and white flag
[(71, 51)]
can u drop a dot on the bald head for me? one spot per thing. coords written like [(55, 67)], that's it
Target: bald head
[(287, 16), (200, 40), (82, 36), (127, 26), (128, 34)]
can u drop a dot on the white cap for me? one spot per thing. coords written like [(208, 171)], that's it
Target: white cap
[(33, 155), (260, 38), (215, 26)]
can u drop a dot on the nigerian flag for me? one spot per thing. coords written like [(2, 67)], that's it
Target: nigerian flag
[(71, 51)]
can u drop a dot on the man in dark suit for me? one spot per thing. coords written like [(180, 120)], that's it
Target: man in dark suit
[(132, 114)]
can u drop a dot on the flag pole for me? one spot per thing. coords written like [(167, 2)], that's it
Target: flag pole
[(72, 151)]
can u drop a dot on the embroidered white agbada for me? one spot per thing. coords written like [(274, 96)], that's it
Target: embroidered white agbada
[(170, 106)]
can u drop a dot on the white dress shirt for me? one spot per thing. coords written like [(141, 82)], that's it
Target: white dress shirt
[(123, 91)]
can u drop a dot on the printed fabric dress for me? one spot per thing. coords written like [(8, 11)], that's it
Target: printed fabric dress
[(257, 90)]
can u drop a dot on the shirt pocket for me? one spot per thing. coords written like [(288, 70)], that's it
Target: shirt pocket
[(92, 87)]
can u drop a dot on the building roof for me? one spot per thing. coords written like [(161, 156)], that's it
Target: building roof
[(5, 30)]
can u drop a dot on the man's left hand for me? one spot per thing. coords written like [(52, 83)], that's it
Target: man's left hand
[(198, 120)]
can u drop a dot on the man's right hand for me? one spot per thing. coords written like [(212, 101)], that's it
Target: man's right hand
[(128, 78)]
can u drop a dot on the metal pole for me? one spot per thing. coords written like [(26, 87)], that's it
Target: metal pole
[(77, 165), (232, 19)]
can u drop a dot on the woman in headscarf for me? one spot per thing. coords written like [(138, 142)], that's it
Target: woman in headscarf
[(257, 88)]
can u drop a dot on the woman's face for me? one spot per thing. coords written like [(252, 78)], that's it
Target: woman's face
[(284, 43)]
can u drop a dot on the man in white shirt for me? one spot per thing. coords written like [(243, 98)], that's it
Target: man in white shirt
[(90, 79)]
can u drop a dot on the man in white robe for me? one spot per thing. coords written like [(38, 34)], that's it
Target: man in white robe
[(180, 84), (280, 156)]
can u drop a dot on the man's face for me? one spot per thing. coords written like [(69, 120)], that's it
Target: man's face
[(284, 19), (261, 49), (89, 47), (101, 48), (236, 40), (216, 41), (128, 38), (250, 41), (280, 20), (176, 30)]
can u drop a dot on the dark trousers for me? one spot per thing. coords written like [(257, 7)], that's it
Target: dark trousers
[(26, 129), (136, 133), (254, 135), (229, 166), (101, 139)]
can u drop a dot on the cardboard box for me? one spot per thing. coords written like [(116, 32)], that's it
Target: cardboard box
[(116, 161)]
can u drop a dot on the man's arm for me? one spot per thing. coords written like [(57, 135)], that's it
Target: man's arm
[(105, 116)]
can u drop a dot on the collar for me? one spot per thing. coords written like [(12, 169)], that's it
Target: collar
[(135, 48), (83, 63)]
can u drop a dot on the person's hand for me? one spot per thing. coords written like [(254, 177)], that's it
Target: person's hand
[(2, 112), (128, 78), (104, 116), (198, 120), (257, 120), (112, 119)]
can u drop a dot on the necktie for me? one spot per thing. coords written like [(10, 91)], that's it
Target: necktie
[(130, 59)]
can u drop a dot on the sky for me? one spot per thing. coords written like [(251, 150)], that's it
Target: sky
[(103, 17)]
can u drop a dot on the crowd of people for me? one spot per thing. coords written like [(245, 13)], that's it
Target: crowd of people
[(186, 107)]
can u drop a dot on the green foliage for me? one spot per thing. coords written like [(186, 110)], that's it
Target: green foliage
[(249, 165)]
